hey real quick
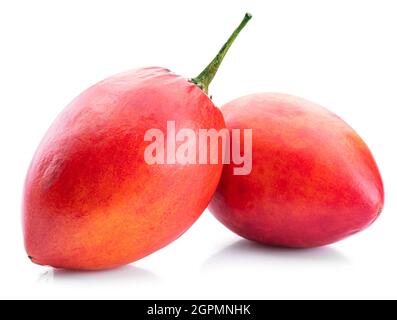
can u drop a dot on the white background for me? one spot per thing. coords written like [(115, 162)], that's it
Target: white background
[(341, 54)]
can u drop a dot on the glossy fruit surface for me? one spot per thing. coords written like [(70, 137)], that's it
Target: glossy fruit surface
[(313, 180), (91, 201)]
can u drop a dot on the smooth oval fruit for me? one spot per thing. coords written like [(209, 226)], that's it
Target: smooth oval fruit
[(313, 180), (91, 201)]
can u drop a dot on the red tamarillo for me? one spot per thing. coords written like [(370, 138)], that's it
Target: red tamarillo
[(91, 201), (313, 180)]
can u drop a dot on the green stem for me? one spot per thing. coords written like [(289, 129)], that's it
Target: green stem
[(204, 79)]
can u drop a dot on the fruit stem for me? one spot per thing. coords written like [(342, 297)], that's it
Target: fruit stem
[(204, 79)]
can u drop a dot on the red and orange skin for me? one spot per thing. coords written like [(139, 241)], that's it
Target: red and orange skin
[(91, 201), (313, 180)]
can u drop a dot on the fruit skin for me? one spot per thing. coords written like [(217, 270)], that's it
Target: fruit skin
[(313, 182), (90, 200)]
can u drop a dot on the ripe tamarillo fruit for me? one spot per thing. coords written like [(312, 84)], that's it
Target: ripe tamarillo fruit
[(91, 201), (313, 180)]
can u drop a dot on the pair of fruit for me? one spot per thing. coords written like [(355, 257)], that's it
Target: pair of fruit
[(92, 202)]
